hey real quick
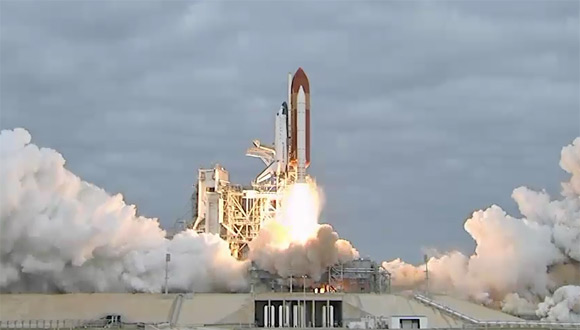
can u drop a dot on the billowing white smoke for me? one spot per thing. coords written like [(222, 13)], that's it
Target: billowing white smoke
[(294, 243), (517, 262), (297, 258), (564, 305), (61, 234)]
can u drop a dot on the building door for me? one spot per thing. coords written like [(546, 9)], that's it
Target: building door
[(409, 323)]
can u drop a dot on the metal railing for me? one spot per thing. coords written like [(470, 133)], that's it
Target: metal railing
[(475, 323), (52, 324)]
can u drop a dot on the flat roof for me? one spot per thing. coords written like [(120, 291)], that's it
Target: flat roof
[(222, 308)]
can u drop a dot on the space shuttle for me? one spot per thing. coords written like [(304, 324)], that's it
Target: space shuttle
[(290, 155)]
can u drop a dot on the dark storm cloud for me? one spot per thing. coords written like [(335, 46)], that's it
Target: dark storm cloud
[(422, 111)]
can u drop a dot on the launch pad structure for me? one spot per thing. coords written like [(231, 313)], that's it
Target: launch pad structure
[(232, 211), (235, 212)]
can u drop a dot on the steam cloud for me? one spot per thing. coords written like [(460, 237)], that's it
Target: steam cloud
[(271, 253), (517, 262), (61, 234), (563, 306), (294, 243)]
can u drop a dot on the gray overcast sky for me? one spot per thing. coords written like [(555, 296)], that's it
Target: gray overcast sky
[(421, 111)]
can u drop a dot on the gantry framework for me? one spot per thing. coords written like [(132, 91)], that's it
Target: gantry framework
[(236, 213), (231, 211), (359, 275)]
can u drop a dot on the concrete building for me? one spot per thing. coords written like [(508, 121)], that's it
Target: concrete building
[(274, 309)]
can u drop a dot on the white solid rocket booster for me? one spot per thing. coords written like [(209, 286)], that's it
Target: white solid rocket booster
[(281, 139)]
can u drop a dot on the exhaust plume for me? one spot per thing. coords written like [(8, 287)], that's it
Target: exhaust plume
[(517, 261), (298, 258), (294, 243), (61, 234)]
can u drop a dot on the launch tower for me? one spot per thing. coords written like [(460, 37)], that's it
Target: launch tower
[(236, 213)]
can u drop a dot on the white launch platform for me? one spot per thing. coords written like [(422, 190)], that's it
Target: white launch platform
[(236, 213)]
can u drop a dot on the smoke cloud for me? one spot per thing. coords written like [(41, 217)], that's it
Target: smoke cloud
[(564, 305), (61, 234), (294, 243), (272, 252), (517, 261)]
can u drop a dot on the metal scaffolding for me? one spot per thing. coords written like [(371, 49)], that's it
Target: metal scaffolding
[(231, 211), (359, 275)]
